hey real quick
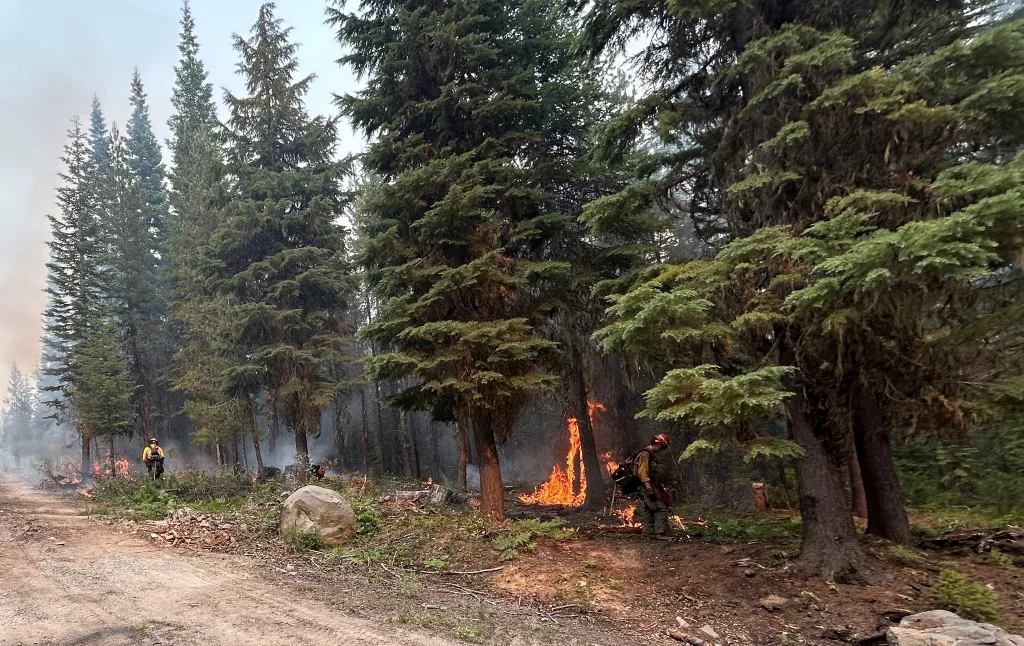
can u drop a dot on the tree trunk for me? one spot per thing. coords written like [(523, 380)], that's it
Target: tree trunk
[(365, 431), (492, 492), (113, 471), (302, 454), (405, 443), (86, 454), (255, 429), (380, 428), (274, 427), (624, 408), (830, 547), (463, 434), (591, 463), (858, 499), (887, 517)]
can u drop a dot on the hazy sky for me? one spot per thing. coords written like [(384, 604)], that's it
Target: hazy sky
[(56, 54)]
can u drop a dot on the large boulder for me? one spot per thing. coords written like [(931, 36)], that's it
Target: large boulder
[(316, 509), (942, 628)]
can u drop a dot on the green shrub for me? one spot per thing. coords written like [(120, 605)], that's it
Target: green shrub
[(303, 541), (523, 533), (998, 559), (969, 599)]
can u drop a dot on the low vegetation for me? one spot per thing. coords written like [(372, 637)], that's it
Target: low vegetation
[(958, 593)]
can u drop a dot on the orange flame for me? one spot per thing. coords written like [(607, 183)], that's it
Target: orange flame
[(627, 516), (609, 463), (561, 487), (122, 468)]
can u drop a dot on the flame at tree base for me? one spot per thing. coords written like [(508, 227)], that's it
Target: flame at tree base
[(560, 487)]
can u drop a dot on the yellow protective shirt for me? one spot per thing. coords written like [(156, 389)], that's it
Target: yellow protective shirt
[(642, 466), (149, 452)]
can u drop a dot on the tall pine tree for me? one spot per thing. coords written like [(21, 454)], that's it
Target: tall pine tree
[(201, 321), (74, 283), (131, 278), (468, 108), (279, 252)]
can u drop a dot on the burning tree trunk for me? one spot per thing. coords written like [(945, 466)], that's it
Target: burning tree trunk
[(830, 547), (492, 491), (887, 516), (113, 470), (594, 495)]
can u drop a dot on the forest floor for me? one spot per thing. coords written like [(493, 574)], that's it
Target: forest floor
[(417, 571)]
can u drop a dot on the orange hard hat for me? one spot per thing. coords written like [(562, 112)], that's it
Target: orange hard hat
[(661, 439)]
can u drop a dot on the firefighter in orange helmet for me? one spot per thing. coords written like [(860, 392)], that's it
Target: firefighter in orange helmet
[(653, 496)]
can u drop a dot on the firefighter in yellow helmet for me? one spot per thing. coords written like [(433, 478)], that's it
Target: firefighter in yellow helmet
[(153, 458), (653, 496)]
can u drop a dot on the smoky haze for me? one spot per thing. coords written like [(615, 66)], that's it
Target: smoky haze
[(57, 55)]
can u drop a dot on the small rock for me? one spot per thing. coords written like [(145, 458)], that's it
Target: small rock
[(682, 622), (750, 574), (774, 603), (709, 631), (60, 542)]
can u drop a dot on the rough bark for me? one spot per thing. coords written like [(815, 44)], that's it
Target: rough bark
[(255, 430), (858, 499), (492, 491), (887, 517), (463, 432), (86, 453), (302, 455), (274, 426), (113, 470), (365, 431), (830, 547), (595, 497)]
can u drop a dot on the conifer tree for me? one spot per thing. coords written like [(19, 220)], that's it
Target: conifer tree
[(131, 280), (202, 320), (829, 143), (470, 108), (102, 392), (16, 423), (279, 251), (99, 140), (74, 284)]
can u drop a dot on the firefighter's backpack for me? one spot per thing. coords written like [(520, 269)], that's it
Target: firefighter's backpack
[(624, 477)]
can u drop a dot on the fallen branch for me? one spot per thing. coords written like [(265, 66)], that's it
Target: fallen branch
[(467, 573)]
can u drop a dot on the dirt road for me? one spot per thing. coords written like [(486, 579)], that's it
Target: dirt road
[(68, 580)]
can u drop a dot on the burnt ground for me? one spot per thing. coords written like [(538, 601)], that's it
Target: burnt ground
[(601, 585)]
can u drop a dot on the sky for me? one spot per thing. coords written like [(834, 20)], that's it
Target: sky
[(58, 54)]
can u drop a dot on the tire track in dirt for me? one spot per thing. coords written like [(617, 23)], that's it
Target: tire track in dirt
[(72, 582)]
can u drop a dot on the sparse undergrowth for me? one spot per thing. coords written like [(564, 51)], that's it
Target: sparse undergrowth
[(209, 493), (958, 593)]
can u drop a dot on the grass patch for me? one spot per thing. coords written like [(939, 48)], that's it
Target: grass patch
[(969, 599), (716, 528), (904, 553)]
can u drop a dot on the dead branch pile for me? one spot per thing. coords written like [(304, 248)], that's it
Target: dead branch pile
[(191, 529), (1009, 540)]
